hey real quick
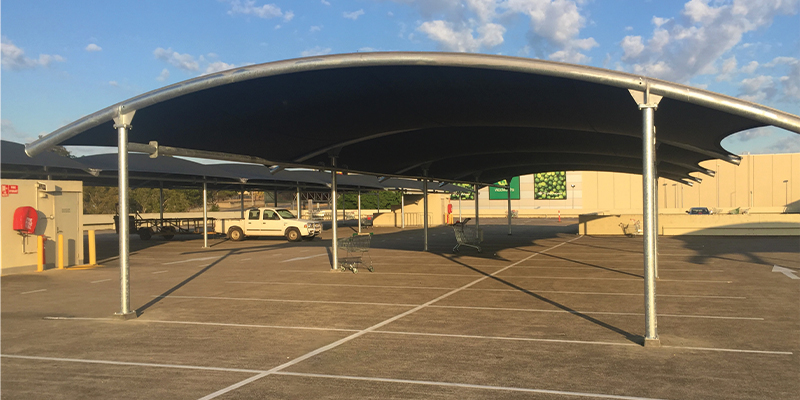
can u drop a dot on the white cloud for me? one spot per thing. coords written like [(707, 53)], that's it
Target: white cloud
[(316, 51), (474, 25), (326, 3), (758, 89), (632, 46), (353, 15), (315, 28), (217, 66), (13, 57), (93, 47), (750, 134), (266, 11), (694, 43), (113, 83), (452, 38), (185, 62), (789, 144), (164, 75), (750, 67)]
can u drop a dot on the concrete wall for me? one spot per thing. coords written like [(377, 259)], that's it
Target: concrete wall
[(677, 224), (60, 209), (756, 184)]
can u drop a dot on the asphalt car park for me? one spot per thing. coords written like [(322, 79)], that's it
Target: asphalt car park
[(542, 313)]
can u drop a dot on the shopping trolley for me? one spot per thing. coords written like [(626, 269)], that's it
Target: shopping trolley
[(356, 246), (632, 229), (469, 236)]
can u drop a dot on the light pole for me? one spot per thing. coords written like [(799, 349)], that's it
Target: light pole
[(675, 185), (786, 185), (573, 195), (665, 195)]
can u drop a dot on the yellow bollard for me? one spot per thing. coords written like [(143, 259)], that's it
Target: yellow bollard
[(60, 251), (92, 249), (40, 253)]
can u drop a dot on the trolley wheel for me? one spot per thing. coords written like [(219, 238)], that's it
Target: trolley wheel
[(293, 235), (371, 269), (479, 250), (236, 234), (355, 270), (144, 234), (455, 250)]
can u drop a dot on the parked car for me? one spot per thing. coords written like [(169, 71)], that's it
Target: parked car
[(265, 221), (698, 211)]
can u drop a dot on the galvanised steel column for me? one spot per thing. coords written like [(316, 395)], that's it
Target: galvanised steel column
[(403, 209), (334, 244), (425, 211), (205, 215), (359, 212), (298, 201), (241, 201), (161, 200), (122, 124), (649, 216), (655, 216), (275, 197), (477, 213), (509, 207)]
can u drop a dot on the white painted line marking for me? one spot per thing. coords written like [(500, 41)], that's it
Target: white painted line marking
[(136, 364), (160, 272), (245, 259), (101, 280), (363, 303), (304, 258), (788, 353), (34, 291), (466, 386), (769, 352), (786, 271), (483, 290), (192, 259), (386, 273), (371, 328)]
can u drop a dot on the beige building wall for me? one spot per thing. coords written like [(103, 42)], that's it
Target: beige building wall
[(756, 185), (60, 208)]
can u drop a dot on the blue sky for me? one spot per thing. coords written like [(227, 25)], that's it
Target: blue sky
[(65, 59)]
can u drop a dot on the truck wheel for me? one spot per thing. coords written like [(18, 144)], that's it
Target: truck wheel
[(169, 233), (293, 235), (236, 234), (144, 234)]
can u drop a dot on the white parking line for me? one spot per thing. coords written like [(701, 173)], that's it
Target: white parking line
[(34, 291), (503, 338), (136, 364), (304, 258), (465, 385), (160, 272), (371, 328), (482, 290), (363, 303), (101, 280), (192, 259)]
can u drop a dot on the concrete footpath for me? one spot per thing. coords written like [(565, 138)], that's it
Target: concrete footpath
[(543, 313)]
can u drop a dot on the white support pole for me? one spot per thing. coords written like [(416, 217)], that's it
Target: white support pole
[(403, 210), (378, 194), (650, 229), (425, 212), (334, 244), (205, 215), (161, 201), (459, 207), (299, 210), (509, 207), (122, 124), (477, 212), (359, 211), (275, 197), (241, 202)]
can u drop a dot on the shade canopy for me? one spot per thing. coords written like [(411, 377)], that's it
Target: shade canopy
[(459, 117)]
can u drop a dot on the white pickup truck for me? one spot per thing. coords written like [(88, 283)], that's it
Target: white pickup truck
[(266, 221)]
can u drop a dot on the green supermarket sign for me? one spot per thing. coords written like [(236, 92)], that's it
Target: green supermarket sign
[(501, 193)]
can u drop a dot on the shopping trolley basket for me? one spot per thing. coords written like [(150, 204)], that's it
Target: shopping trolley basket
[(356, 246), (467, 236)]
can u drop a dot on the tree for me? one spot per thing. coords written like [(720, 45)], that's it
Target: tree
[(369, 200)]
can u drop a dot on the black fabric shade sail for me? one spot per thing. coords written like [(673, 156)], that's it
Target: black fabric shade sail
[(459, 117)]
